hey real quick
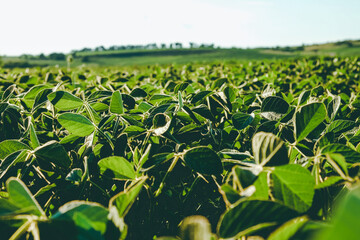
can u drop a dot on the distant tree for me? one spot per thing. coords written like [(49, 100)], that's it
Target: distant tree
[(163, 45), (42, 56), (85, 50), (57, 56), (100, 49), (178, 45), (1, 61)]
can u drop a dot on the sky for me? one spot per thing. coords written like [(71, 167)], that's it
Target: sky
[(46, 26)]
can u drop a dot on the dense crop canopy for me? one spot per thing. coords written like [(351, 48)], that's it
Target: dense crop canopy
[(259, 149)]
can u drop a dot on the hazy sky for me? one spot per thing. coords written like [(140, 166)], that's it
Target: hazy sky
[(45, 26)]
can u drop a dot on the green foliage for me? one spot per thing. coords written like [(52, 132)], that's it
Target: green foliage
[(259, 149)]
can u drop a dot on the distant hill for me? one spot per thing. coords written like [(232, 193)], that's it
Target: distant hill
[(126, 57)]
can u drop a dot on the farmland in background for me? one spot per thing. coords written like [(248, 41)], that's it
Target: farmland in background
[(187, 55)]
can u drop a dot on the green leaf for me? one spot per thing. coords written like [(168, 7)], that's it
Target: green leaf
[(34, 141), (330, 181), (200, 96), (134, 130), (242, 120), (157, 159), (203, 160), (9, 146), (350, 155), (159, 98), (261, 186), (333, 107), (93, 214), (269, 150), (121, 168), (41, 97), (294, 186), (123, 200), (116, 103), (11, 160), (304, 96), (274, 104), (288, 229), (247, 216), (54, 152), (20, 196), (337, 161), (161, 123), (76, 124), (246, 176), (340, 126), (74, 175), (138, 92), (308, 118), (64, 101)]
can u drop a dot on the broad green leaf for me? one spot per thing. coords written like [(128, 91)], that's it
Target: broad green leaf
[(116, 103), (3, 106), (7, 207), (294, 186), (134, 130), (288, 229), (74, 175), (203, 160), (181, 87), (231, 194), (303, 97), (330, 181), (333, 107), (195, 227), (144, 106), (54, 152), (350, 155), (20, 196), (159, 98), (34, 141), (161, 123), (308, 118), (33, 91), (138, 92), (261, 187), (337, 161), (157, 159), (119, 166), (269, 150), (92, 213), (274, 104), (11, 160), (246, 176), (247, 216), (76, 124), (123, 200), (9, 146), (64, 101), (340, 126), (230, 94), (242, 120), (41, 98), (200, 96)]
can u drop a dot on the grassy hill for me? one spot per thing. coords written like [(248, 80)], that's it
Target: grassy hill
[(196, 55)]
